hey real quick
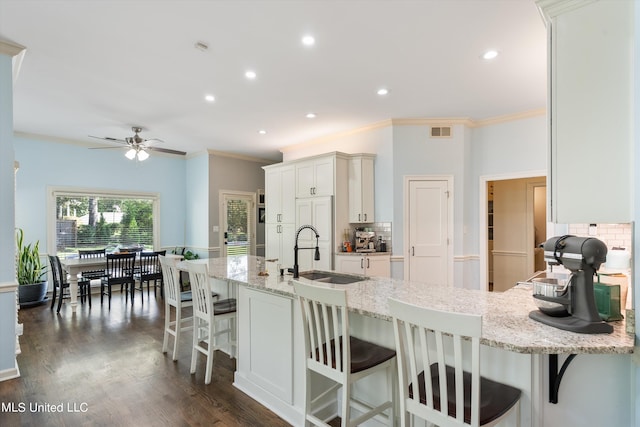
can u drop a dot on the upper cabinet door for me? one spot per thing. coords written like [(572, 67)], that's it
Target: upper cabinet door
[(591, 120), (280, 194), (315, 177), (361, 199)]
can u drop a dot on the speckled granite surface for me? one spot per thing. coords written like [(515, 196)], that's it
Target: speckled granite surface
[(506, 323)]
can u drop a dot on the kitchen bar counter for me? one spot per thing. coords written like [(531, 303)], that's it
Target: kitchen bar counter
[(506, 322)]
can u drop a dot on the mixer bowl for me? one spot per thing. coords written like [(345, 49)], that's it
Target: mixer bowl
[(556, 287)]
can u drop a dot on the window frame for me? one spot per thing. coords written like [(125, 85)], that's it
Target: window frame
[(54, 192)]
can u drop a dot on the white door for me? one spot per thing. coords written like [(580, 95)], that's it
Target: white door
[(428, 230), (238, 223)]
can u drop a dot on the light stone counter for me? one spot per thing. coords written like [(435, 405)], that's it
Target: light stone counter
[(505, 323), (353, 253)]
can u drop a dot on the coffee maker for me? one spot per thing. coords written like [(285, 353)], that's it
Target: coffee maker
[(365, 241)]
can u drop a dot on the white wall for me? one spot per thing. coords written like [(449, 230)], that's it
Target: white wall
[(44, 164)]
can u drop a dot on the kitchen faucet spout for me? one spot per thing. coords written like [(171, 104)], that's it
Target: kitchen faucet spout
[(295, 248)]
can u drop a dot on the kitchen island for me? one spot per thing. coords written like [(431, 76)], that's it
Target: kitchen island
[(270, 366)]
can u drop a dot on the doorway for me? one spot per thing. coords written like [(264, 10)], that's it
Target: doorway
[(515, 213), (238, 223), (428, 228)]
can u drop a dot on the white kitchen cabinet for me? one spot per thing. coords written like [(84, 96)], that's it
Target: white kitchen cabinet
[(279, 195), (280, 214), (315, 177), (316, 211), (279, 242), (266, 358), (361, 189), (378, 265), (591, 111)]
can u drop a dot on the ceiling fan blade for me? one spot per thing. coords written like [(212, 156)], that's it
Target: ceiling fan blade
[(108, 138), (165, 150), (153, 141), (103, 148)]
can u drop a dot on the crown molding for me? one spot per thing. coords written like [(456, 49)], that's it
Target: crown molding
[(441, 121), (10, 48), (509, 118), (549, 9), (333, 137), (16, 52)]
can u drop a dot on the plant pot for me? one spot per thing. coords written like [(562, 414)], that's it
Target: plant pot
[(32, 294)]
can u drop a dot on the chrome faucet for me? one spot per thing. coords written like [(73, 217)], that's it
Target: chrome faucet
[(295, 248)]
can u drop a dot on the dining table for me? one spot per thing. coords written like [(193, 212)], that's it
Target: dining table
[(75, 266)]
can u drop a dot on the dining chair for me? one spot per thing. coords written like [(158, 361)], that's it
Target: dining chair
[(173, 297), (61, 284), (330, 350), (119, 272), (206, 317), (149, 270), (432, 346), (92, 253)]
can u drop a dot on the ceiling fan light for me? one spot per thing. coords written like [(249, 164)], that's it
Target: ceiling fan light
[(143, 155), (131, 154)]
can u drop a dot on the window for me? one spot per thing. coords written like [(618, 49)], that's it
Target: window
[(89, 219)]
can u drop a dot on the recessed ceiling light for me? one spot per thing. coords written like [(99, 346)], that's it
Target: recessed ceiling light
[(383, 91), (490, 54), (201, 46), (308, 40), (250, 74), (209, 98), (262, 132), (311, 115)]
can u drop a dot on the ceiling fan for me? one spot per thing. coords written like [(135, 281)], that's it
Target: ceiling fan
[(137, 146)]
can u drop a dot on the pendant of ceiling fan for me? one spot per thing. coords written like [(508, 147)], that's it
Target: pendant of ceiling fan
[(137, 146)]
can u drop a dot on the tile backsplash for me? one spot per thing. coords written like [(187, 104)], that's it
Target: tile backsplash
[(382, 229), (613, 235)]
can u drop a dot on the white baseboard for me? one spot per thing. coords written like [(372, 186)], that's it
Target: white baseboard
[(9, 374)]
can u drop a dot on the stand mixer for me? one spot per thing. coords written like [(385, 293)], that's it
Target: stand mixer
[(582, 256)]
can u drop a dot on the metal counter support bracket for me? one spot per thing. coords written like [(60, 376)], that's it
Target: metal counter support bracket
[(555, 377)]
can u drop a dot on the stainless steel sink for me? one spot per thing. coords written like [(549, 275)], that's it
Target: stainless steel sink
[(331, 277)]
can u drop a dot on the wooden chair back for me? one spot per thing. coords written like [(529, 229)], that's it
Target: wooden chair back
[(120, 268), (201, 291), (326, 330), (150, 268), (170, 278), (421, 337), (57, 273)]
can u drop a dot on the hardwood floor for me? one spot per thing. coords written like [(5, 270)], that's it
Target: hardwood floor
[(106, 368)]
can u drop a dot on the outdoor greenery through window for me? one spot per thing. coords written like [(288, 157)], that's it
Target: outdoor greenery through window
[(85, 221)]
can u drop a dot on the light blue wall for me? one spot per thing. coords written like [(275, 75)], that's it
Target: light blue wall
[(45, 164), (415, 153), (197, 203), (7, 246), (501, 149)]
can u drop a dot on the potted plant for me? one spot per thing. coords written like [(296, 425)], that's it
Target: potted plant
[(30, 272)]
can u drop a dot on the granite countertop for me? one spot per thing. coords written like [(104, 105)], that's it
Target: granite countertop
[(505, 323), (363, 253)]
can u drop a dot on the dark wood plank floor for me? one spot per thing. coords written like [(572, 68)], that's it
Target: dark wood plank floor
[(107, 368)]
